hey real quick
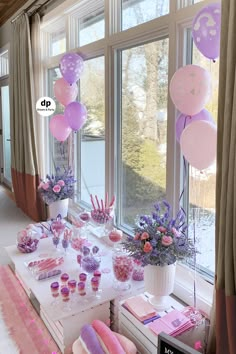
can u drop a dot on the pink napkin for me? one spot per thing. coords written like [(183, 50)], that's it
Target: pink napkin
[(140, 308), (173, 324)]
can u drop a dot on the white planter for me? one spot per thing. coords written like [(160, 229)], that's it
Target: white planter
[(159, 282), (58, 207)]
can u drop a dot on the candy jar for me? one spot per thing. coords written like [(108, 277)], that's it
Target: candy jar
[(90, 263), (122, 268), (58, 225), (115, 236), (138, 272)]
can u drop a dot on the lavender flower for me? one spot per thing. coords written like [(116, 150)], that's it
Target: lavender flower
[(160, 239), (57, 187)]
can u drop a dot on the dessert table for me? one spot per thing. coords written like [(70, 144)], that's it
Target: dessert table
[(65, 325)]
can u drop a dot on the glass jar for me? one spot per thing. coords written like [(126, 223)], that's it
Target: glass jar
[(90, 263), (138, 272), (122, 268)]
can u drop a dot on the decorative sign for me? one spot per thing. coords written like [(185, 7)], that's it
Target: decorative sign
[(170, 345), (45, 106)]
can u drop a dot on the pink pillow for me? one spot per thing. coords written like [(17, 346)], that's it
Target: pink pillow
[(126, 343), (110, 341)]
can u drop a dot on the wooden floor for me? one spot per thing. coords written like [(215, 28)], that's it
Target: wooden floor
[(7, 192)]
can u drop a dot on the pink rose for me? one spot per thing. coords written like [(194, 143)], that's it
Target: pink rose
[(56, 188), (161, 229), (144, 236), (166, 240), (137, 237), (147, 247), (175, 232), (61, 183), (40, 185), (45, 186)]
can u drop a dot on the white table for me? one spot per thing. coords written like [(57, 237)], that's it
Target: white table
[(65, 326)]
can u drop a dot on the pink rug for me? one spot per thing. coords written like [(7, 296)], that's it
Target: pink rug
[(25, 327)]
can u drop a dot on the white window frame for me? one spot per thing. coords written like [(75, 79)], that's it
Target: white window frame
[(171, 25)]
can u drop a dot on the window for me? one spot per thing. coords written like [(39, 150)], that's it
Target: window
[(59, 151), (129, 137), (91, 27), (135, 12), (4, 63), (92, 94), (89, 21), (202, 184), (58, 42), (55, 37), (144, 128)]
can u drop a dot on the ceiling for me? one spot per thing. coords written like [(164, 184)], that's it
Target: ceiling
[(8, 8)]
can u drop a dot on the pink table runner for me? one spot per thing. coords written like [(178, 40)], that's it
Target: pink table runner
[(26, 328)]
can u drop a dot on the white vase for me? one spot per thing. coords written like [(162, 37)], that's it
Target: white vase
[(159, 282), (58, 207)]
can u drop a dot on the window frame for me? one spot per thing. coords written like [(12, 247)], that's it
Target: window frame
[(173, 25)]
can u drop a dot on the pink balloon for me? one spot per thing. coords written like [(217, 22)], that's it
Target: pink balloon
[(59, 127), (75, 115), (183, 120), (64, 92), (198, 144), (190, 89)]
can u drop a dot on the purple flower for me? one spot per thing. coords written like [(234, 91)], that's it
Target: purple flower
[(57, 187), (160, 239)]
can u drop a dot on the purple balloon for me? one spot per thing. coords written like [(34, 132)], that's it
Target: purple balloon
[(184, 120), (71, 67), (206, 30), (75, 115)]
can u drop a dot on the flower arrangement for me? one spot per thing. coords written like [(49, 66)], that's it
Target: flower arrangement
[(57, 187), (160, 239)]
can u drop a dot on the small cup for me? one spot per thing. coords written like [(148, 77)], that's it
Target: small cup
[(83, 277)]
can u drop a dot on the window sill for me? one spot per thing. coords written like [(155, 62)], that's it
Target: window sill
[(184, 289)]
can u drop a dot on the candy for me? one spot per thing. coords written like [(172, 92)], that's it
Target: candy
[(95, 283), (83, 277), (90, 264), (122, 267), (81, 289), (72, 285), (55, 289), (64, 278), (65, 293), (138, 274), (49, 274), (95, 249)]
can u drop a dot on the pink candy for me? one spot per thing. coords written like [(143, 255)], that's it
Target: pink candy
[(122, 267)]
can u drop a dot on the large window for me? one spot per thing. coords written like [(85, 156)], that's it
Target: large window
[(202, 184), (135, 12), (144, 128), (92, 94), (128, 145)]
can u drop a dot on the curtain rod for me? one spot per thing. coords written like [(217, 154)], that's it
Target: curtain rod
[(34, 3)]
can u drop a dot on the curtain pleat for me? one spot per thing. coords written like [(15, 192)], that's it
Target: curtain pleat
[(24, 160)]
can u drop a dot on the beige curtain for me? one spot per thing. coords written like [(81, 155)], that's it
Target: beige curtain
[(223, 334), (36, 44), (25, 170)]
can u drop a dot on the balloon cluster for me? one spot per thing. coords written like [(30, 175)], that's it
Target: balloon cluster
[(190, 90), (66, 91)]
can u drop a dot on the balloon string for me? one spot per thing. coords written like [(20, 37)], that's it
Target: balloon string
[(194, 262), (194, 230), (185, 170), (62, 151)]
